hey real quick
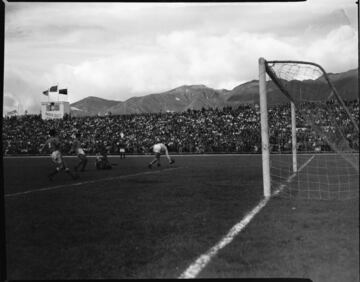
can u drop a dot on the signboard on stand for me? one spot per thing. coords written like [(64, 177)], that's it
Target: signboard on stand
[(54, 110)]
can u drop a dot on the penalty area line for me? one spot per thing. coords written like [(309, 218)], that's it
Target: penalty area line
[(90, 182), (195, 268)]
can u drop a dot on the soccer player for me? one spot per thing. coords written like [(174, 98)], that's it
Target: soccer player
[(76, 148), (102, 161), (158, 149), (121, 147), (53, 144)]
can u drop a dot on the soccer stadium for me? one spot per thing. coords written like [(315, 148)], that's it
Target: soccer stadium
[(265, 189)]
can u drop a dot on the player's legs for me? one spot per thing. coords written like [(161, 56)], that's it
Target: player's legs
[(66, 168), (82, 163), (158, 159), (106, 162), (155, 160), (122, 153), (56, 159), (53, 173), (169, 159), (60, 165), (76, 167)]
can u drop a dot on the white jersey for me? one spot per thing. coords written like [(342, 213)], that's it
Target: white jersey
[(160, 147)]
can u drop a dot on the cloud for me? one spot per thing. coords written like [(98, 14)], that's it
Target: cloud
[(180, 58), (10, 103), (120, 50), (336, 51), (177, 58), (22, 91)]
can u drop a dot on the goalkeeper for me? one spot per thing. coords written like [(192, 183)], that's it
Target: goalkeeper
[(158, 149)]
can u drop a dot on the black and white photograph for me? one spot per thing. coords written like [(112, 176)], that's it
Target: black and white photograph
[(180, 140)]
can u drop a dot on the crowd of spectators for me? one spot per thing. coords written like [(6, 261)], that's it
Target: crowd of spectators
[(227, 130)]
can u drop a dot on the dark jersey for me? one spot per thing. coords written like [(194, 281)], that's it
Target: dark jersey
[(53, 144), (101, 148), (75, 145)]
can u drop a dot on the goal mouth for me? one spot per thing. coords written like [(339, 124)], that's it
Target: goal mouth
[(316, 121), (324, 176)]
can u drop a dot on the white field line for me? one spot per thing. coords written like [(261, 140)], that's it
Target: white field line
[(88, 182), (195, 268)]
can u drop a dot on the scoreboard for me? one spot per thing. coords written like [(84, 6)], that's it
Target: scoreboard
[(54, 110)]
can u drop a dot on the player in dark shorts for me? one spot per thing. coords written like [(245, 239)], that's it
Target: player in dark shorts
[(76, 148), (53, 144), (102, 161)]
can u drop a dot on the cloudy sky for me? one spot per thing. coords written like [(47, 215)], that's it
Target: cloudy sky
[(120, 50)]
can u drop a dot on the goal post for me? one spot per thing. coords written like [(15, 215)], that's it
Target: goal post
[(264, 129), (293, 137), (309, 119)]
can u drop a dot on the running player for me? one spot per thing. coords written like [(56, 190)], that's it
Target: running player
[(158, 149), (76, 148), (53, 144)]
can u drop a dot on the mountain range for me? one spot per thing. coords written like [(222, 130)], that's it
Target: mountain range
[(196, 97)]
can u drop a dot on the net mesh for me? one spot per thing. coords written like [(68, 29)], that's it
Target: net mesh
[(326, 131)]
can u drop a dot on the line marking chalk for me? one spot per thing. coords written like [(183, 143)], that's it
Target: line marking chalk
[(195, 268), (90, 181)]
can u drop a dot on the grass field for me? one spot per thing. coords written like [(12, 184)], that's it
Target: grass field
[(136, 222)]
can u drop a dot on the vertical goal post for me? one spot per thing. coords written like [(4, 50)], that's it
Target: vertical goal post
[(264, 128), (307, 86)]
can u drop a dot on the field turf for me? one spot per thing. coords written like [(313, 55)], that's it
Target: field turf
[(136, 222)]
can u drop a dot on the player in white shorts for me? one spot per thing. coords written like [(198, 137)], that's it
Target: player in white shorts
[(76, 148), (159, 149), (53, 145)]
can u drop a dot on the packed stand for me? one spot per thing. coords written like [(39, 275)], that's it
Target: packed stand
[(227, 130)]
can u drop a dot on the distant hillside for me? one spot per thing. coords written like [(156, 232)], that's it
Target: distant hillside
[(91, 106), (176, 100), (347, 84), (197, 97)]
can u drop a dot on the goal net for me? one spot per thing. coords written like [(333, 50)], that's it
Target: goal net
[(309, 134)]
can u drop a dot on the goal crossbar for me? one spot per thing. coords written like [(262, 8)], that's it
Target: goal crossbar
[(283, 90)]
